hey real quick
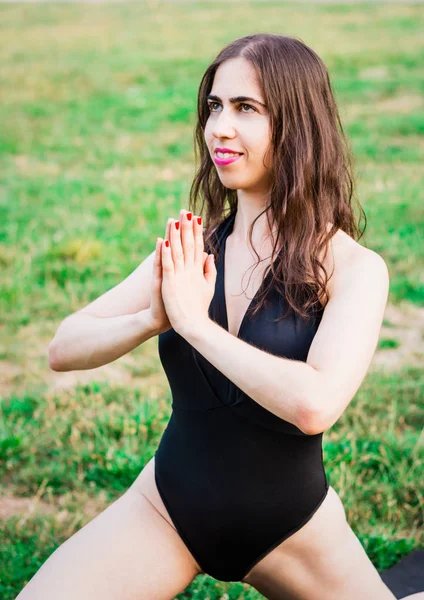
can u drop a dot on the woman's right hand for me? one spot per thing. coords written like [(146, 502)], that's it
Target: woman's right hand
[(158, 317)]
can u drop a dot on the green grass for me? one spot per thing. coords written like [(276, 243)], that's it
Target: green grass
[(96, 152), (96, 438)]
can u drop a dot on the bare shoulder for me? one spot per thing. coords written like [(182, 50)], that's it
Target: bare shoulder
[(346, 257), (351, 255)]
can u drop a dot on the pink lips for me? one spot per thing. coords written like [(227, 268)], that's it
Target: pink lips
[(226, 161)]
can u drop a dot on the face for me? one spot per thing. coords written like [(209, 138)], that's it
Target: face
[(242, 126)]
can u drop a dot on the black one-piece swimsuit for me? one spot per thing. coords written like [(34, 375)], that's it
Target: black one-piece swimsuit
[(236, 479)]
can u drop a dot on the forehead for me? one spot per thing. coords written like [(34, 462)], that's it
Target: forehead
[(236, 77)]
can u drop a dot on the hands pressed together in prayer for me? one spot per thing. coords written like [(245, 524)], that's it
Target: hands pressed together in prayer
[(184, 276)]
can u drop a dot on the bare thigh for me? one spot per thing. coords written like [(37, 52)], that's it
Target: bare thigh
[(129, 551), (145, 484), (324, 560)]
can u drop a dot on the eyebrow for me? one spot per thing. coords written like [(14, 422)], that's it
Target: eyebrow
[(236, 99)]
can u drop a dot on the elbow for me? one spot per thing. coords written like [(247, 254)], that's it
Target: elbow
[(312, 421), (53, 358)]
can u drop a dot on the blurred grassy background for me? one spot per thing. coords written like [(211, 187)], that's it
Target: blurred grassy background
[(96, 152)]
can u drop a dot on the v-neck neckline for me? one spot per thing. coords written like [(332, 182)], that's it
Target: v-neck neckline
[(229, 229)]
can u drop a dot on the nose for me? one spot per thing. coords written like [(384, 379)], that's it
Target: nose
[(223, 126)]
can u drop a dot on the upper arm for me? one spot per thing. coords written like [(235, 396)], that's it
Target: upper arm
[(345, 342), (127, 297)]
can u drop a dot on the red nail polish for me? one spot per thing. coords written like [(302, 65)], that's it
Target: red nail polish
[(177, 224), (189, 216), (199, 220), (167, 243)]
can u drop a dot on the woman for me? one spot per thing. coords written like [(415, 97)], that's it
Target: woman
[(237, 488)]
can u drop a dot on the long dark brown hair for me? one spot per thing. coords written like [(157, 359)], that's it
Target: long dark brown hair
[(312, 180)]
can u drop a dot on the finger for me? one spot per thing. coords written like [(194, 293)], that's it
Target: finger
[(187, 236), (167, 262), (204, 258), (198, 240), (176, 246), (167, 232), (157, 263), (210, 270)]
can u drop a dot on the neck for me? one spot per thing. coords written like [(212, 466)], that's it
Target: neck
[(243, 219)]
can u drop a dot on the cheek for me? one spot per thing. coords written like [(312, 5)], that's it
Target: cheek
[(260, 151), (259, 139), (206, 137), (267, 151), (268, 161), (207, 134)]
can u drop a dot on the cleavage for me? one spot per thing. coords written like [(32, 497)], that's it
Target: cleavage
[(249, 278)]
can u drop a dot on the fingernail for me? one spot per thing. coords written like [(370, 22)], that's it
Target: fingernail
[(189, 216), (167, 243), (177, 224), (199, 220)]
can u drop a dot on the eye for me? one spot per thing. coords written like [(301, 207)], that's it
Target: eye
[(210, 104), (254, 109)]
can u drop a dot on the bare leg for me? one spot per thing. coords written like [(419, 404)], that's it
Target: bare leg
[(324, 560), (127, 552), (350, 575)]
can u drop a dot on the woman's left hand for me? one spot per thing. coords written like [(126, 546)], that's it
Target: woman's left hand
[(188, 286)]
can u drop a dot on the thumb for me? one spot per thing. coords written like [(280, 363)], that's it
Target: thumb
[(210, 269)]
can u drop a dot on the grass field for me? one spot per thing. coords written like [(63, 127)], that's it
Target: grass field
[(96, 152)]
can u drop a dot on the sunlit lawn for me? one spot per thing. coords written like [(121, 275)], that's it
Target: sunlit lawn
[(96, 137)]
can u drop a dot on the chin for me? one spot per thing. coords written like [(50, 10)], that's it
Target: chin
[(230, 186)]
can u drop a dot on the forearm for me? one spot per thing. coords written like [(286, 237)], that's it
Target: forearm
[(282, 386), (84, 341)]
